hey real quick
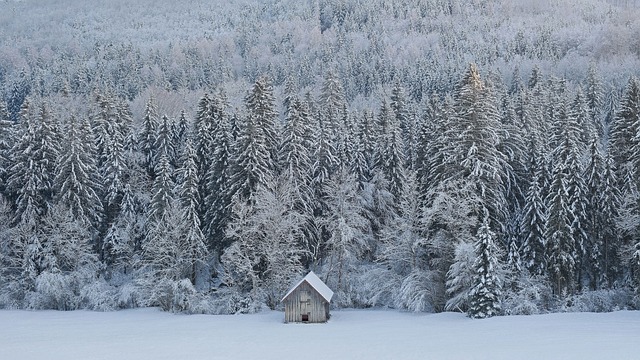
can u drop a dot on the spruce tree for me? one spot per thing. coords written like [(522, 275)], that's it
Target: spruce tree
[(256, 147), (624, 130), (390, 158), (562, 248), (192, 245), (295, 157), (486, 291), (164, 144), (475, 145), (77, 181), (162, 191), (147, 137), (535, 219), (34, 155), (217, 182)]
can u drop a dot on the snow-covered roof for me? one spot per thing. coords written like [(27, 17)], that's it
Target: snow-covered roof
[(315, 282)]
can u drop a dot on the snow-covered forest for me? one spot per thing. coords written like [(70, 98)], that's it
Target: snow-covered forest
[(425, 155)]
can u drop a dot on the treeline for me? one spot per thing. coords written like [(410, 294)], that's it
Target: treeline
[(489, 199)]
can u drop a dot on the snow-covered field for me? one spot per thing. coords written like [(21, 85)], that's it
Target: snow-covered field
[(351, 334)]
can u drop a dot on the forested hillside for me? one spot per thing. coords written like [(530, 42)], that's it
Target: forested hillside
[(427, 155)]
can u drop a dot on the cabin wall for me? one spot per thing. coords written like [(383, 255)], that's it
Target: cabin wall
[(296, 305)]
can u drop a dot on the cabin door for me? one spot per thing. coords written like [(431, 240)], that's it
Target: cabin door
[(305, 305)]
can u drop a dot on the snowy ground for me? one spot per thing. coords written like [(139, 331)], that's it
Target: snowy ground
[(351, 334)]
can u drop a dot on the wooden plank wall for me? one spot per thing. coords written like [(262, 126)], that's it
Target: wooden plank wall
[(317, 309)]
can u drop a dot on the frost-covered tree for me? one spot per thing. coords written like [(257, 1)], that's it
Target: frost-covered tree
[(624, 130), (163, 144), (147, 137), (534, 220), (562, 248), (192, 247), (256, 147), (486, 292), (77, 181), (407, 281), (332, 104), (474, 145), (347, 241), (296, 164), (390, 159), (603, 209), (265, 256), (216, 189), (32, 170), (162, 191), (68, 263)]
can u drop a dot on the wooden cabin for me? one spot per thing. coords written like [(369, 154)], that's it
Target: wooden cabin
[(308, 301)]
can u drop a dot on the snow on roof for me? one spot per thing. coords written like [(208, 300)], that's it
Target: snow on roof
[(315, 282)]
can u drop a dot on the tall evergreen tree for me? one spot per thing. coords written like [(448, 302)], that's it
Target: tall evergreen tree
[(624, 129), (534, 219), (32, 169), (390, 158), (192, 245), (295, 157), (256, 146), (474, 145), (162, 191), (486, 291), (164, 144), (77, 183), (562, 248), (147, 137), (217, 191), (604, 205)]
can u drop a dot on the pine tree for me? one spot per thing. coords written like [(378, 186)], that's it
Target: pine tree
[(594, 98), (17, 95), (260, 103), (474, 144), (362, 164), (162, 191), (624, 129), (77, 183), (192, 245), (256, 146), (295, 157), (147, 137), (603, 209), (562, 248), (577, 190), (31, 172), (403, 251), (390, 158), (180, 132), (164, 144), (332, 104), (404, 121), (7, 137), (535, 219), (486, 291), (217, 182)]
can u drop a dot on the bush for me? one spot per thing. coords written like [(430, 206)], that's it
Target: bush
[(98, 296), (598, 301), (54, 291), (528, 295)]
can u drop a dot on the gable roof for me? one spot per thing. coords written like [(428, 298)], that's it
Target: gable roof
[(314, 281)]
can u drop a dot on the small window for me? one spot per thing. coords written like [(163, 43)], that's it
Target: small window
[(305, 317)]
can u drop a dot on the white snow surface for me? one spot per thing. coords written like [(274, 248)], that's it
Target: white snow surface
[(350, 334), (315, 283)]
